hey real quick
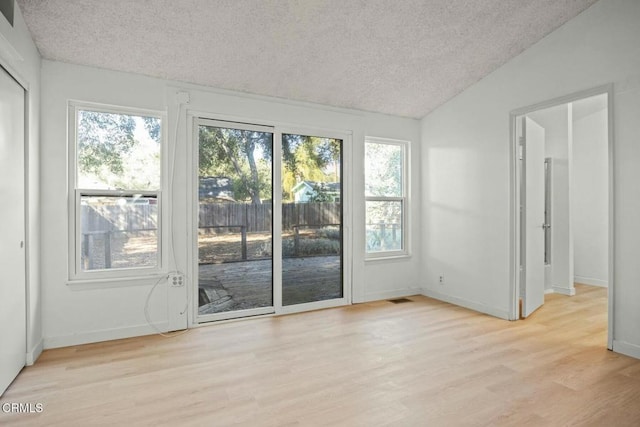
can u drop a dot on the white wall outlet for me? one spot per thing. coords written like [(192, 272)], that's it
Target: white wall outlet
[(176, 280), (442, 279)]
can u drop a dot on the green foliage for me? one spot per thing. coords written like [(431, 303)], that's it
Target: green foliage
[(245, 157), (242, 155), (103, 140), (383, 170), (320, 194), (378, 240), (152, 125), (311, 247), (307, 158), (383, 225), (332, 233), (118, 151)]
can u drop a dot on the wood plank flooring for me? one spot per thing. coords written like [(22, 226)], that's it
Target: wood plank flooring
[(423, 363)]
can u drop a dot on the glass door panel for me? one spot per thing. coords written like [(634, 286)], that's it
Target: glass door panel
[(235, 209), (312, 232)]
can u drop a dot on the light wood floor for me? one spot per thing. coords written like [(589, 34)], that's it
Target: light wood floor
[(423, 363)]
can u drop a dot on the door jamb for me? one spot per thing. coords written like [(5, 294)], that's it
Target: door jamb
[(515, 198)]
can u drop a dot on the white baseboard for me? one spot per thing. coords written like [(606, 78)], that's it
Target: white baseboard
[(564, 291), (591, 281), (549, 291), (35, 352), (396, 293), (102, 335), (628, 349), (472, 305)]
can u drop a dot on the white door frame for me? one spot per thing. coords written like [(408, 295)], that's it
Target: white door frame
[(277, 129), (515, 197)]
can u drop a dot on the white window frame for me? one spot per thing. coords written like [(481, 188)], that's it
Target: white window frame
[(76, 273), (405, 251)]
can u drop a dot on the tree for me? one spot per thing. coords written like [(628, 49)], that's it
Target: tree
[(321, 194), (245, 157), (118, 151), (307, 158), (103, 140), (242, 155), (383, 170), (152, 125)]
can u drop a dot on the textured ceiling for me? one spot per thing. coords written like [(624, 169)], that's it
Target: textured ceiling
[(390, 56)]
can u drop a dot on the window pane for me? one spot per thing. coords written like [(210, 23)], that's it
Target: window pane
[(235, 211), (118, 232), (311, 219), (118, 151), (383, 169), (384, 226)]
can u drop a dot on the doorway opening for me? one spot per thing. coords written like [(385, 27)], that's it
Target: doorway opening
[(562, 219)]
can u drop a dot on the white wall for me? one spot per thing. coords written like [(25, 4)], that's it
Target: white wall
[(466, 153), (78, 313), (590, 198), (555, 121), (20, 57)]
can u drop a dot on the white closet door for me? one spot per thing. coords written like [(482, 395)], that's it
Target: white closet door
[(13, 322)]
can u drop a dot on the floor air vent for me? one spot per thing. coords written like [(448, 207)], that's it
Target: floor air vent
[(399, 300)]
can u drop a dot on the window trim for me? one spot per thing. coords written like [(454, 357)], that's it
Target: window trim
[(404, 199), (75, 272)]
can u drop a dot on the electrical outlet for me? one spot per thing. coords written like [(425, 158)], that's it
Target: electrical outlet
[(442, 279), (176, 280)]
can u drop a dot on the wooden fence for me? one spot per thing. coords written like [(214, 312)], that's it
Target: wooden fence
[(99, 223), (255, 218), (129, 217)]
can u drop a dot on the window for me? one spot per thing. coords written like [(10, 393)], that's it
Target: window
[(385, 197), (116, 179)]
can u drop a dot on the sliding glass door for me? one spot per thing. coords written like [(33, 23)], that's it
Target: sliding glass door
[(269, 221), (235, 212), (311, 219)]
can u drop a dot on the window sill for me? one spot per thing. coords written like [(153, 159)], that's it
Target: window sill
[(388, 257), (115, 282)]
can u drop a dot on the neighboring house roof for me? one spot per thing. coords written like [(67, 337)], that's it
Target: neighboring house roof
[(215, 187), (307, 191), (329, 187)]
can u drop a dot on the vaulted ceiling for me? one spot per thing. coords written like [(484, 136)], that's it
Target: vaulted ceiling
[(401, 57)]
